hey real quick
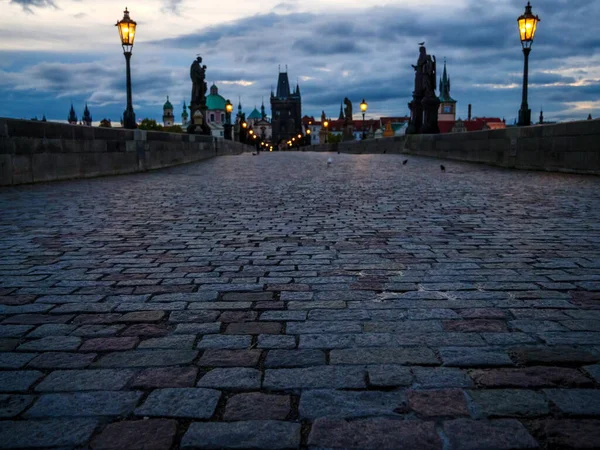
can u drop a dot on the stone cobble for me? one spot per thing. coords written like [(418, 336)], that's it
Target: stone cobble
[(278, 302)]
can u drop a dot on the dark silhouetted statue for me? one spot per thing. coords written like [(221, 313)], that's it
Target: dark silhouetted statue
[(198, 107), (425, 104), (348, 133)]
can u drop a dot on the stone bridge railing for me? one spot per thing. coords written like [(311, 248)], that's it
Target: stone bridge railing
[(566, 147), (32, 151)]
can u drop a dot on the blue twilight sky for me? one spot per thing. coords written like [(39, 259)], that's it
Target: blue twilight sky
[(53, 52)]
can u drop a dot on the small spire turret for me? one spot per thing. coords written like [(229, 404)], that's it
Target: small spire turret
[(72, 119)]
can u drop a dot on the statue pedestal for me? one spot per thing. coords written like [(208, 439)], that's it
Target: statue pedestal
[(431, 106), (416, 116), (198, 125), (348, 133), (323, 136)]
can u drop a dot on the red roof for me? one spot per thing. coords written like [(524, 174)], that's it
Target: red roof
[(476, 124)]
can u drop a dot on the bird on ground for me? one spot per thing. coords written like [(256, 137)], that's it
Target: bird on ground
[(329, 161), (253, 154), (338, 152), (442, 168), (385, 151), (405, 162)]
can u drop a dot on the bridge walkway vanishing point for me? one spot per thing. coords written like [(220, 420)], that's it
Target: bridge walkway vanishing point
[(272, 302)]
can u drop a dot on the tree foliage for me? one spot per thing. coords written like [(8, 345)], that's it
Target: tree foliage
[(334, 138), (149, 125)]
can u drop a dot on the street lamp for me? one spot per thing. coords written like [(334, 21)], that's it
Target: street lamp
[(127, 33), (363, 108), (527, 27), (228, 111)]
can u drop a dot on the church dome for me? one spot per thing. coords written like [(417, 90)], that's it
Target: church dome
[(168, 105), (214, 101)]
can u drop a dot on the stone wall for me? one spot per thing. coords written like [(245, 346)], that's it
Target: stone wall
[(32, 151), (566, 147)]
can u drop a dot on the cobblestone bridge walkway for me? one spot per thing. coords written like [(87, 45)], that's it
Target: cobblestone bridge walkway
[(271, 302)]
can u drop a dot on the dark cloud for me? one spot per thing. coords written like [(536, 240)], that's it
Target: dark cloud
[(172, 6), (28, 4)]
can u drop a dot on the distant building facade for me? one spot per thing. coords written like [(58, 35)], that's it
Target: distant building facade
[(168, 116), (184, 116), (260, 123), (447, 111), (286, 110), (215, 113)]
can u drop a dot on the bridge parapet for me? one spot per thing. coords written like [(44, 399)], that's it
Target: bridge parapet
[(566, 147), (33, 151)]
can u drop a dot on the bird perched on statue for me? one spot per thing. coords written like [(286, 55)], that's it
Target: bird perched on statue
[(421, 43), (405, 162), (443, 168)]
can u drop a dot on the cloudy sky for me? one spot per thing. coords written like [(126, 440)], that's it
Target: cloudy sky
[(54, 52)]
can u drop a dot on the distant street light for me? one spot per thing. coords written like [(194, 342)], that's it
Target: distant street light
[(363, 108), (228, 126), (127, 33), (527, 28)]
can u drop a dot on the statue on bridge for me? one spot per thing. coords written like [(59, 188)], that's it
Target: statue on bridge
[(199, 88), (348, 133), (425, 104), (198, 107)]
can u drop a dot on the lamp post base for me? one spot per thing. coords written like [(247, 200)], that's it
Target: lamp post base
[(129, 120), (524, 117)]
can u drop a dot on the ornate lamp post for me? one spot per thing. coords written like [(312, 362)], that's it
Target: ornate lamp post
[(363, 108), (228, 111), (127, 33), (527, 27)]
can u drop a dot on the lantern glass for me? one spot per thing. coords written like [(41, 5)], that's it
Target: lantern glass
[(325, 124), (126, 28), (229, 107), (528, 26), (363, 106)]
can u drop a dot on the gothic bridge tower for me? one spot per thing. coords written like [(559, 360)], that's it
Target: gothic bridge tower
[(286, 109)]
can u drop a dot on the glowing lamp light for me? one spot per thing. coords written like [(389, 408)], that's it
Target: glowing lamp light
[(527, 26), (251, 131), (228, 107), (307, 131), (325, 124), (244, 125), (363, 105), (126, 28), (299, 136)]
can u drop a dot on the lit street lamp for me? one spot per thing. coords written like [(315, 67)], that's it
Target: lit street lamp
[(527, 27), (127, 33), (228, 126), (363, 108)]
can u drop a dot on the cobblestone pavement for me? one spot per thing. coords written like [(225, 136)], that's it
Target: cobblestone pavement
[(272, 302)]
